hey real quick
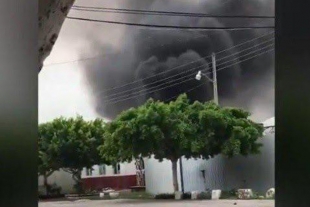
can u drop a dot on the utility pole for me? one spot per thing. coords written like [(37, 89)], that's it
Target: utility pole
[(214, 81), (215, 97), (181, 173), (215, 92)]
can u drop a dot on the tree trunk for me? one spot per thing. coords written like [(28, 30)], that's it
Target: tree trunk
[(77, 177), (52, 14), (175, 175), (45, 183)]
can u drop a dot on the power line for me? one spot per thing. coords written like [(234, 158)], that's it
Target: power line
[(100, 56), (73, 61), (163, 13), (178, 83), (256, 45), (177, 79), (154, 87), (239, 28), (186, 64), (129, 90), (261, 53), (187, 91), (138, 87), (243, 43), (237, 58)]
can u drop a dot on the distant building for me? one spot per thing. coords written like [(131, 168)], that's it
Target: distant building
[(59, 178), (255, 171), (120, 176)]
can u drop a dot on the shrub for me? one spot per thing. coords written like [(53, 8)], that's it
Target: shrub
[(207, 195), (231, 194), (164, 196), (187, 196)]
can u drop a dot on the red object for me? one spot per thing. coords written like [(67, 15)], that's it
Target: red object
[(116, 182)]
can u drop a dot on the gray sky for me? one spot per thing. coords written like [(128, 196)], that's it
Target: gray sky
[(62, 89)]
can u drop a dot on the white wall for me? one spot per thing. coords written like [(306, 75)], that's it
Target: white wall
[(65, 181), (256, 172), (62, 179), (128, 168), (125, 169), (193, 176), (158, 176)]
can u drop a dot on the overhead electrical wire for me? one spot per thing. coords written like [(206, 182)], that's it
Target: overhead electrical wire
[(180, 78), (215, 7), (164, 13), (108, 102), (261, 53), (186, 71), (154, 87), (238, 52), (189, 63), (186, 91), (103, 55), (117, 101), (223, 63), (235, 28)]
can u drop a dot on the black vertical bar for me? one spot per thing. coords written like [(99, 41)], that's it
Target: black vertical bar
[(181, 173), (292, 115)]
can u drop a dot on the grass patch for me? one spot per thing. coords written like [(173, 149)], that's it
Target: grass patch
[(165, 196), (135, 195)]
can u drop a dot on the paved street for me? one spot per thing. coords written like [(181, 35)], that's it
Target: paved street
[(152, 203)]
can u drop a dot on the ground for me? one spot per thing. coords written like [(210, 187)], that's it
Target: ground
[(156, 203)]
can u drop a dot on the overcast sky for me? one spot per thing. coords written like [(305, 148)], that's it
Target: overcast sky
[(62, 89)]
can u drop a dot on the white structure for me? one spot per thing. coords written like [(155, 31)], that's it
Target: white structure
[(61, 179), (108, 170), (255, 171), (66, 182)]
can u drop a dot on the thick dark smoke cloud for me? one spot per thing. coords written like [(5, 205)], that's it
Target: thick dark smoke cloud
[(143, 53)]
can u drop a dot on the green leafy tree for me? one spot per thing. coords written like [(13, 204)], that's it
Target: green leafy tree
[(180, 128), (46, 165), (72, 145)]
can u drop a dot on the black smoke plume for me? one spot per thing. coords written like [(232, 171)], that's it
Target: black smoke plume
[(147, 56)]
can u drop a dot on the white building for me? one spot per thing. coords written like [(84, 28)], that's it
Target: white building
[(59, 178), (109, 170), (121, 176), (255, 171)]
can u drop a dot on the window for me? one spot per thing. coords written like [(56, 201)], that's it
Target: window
[(89, 172), (102, 170), (117, 168)]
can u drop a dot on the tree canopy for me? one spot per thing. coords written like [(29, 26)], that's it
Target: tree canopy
[(70, 144), (180, 128)]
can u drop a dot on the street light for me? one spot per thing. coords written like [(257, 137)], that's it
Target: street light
[(198, 76), (214, 81), (215, 94)]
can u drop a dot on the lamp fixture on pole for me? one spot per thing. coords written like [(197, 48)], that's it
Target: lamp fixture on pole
[(214, 81)]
